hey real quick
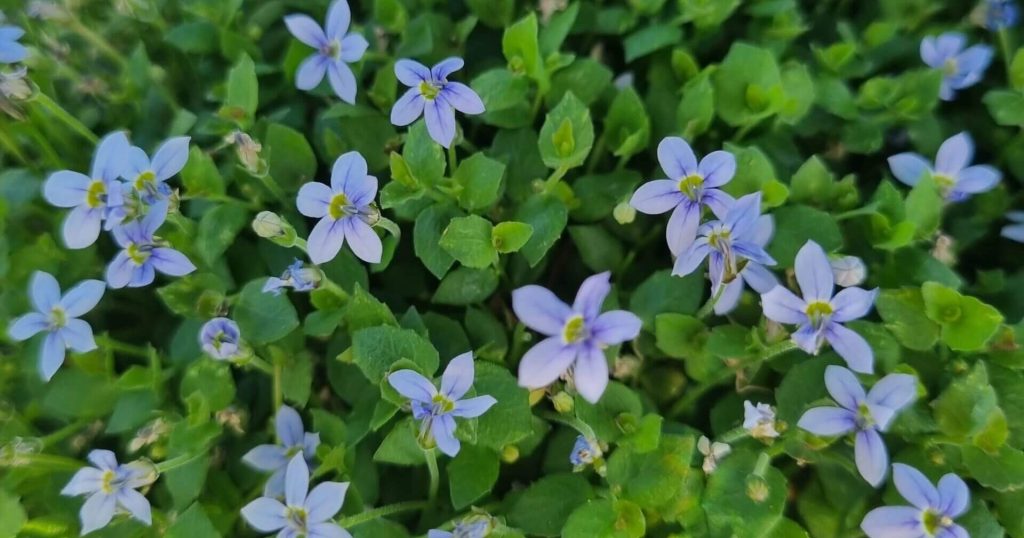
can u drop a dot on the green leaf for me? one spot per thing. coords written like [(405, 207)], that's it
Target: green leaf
[(471, 475), (603, 518), (1005, 106), (505, 97), (375, 349), (211, 380), (468, 240), (696, 109), (967, 323), (466, 286), (547, 216), (509, 420), (795, 225), (424, 157), (567, 134), (680, 336), (600, 250), (200, 175), (662, 292), (585, 78), (426, 235), (605, 416), (544, 507), (480, 178), (967, 405), (192, 523), (243, 89), (904, 316), (217, 230), (520, 46), (924, 207), (652, 480), (295, 163), (748, 85), (1001, 471), (12, 515), (510, 236), (263, 317), (364, 310), (728, 503), (627, 127), (493, 13), (400, 447), (650, 39)]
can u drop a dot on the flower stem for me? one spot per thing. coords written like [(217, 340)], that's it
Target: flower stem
[(453, 160), (278, 392), (66, 118), (573, 423), (63, 433), (710, 305), (175, 462), (435, 475), (383, 511), (554, 178), (121, 347), (1004, 44), (778, 349), (761, 467)]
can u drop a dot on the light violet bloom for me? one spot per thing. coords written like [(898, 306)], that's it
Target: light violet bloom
[(933, 509), (335, 49), (819, 314), (435, 97), (960, 68), (436, 410), (93, 197), (713, 453), (58, 317), (470, 528), (759, 420), (111, 487), (1014, 231), (344, 210), (690, 186), (10, 50), (274, 458), (1000, 14), (221, 339), (142, 254), (149, 177), (577, 335), (731, 245), (305, 513), (848, 271), (584, 452), (296, 277), (952, 172), (760, 279), (866, 414)]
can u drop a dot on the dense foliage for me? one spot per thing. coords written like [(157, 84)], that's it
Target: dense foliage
[(578, 268)]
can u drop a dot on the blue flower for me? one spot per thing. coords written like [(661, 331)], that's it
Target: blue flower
[(274, 458), (148, 177), (335, 49), (344, 210), (109, 486), (435, 97), (760, 279), (866, 414), (436, 410), (1014, 231), (58, 317), (295, 276), (819, 314), (759, 420), (1000, 14), (304, 513), (221, 339), (933, 510), (471, 528), (960, 68), (730, 245), (10, 50), (690, 186), (584, 452), (142, 254), (577, 335), (93, 197), (952, 173)]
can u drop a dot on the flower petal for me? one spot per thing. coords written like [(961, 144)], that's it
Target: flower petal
[(171, 157), (893, 522), (590, 374), (51, 356), (97, 511), (979, 178), (353, 47), (463, 98), (407, 108), (953, 531), (851, 347), (86, 480), (975, 59), (120, 271), (688, 261), (657, 196), (66, 188), (545, 362), (760, 279), (313, 199), (440, 118), (718, 168), (110, 160), (288, 425), (730, 297), (311, 71), (136, 505), (27, 326), (296, 481), (718, 201), (954, 497), (783, 306), (77, 335), (909, 167), (814, 273), (828, 421), (343, 81), (266, 457), (364, 242), (539, 309), (348, 173), (445, 67), (954, 154), (83, 297), (915, 487), (458, 376), (265, 514), (844, 387), (444, 435), (743, 215), (171, 262), (681, 230), (871, 456), (852, 303), (592, 294), (412, 385), (325, 240), (306, 30), (473, 407), (676, 158), (82, 227), (328, 530), (44, 291), (615, 326), (411, 73), (325, 500), (339, 16), (894, 391)]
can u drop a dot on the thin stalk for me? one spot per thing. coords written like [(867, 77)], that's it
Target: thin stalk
[(65, 117), (453, 160), (710, 305), (176, 462), (554, 178), (383, 511)]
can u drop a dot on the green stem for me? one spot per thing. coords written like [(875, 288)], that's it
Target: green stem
[(278, 392), (761, 467), (554, 178), (121, 347), (778, 349), (595, 156), (96, 40), (41, 462), (383, 511), (63, 433), (733, 435), (435, 476), (572, 422), (176, 462), (65, 117), (453, 160), (710, 305), (1004, 44)]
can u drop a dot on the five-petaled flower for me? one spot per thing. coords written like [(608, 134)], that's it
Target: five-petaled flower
[(221, 339), (760, 279), (932, 514), (304, 513), (296, 276), (577, 335), (819, 314), (436, 409), (474, 527), (10, 50), (148, 177), (93, 197), (690, 186), (335, 49), (713, 453), (110, 486), (952, 173), (759, 420), (435, 97), (960, 68), (142, 254), (866, 414), (274, 458), (345, 212), (58, 317)]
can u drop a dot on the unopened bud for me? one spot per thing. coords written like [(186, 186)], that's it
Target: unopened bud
[(248, 151), (563, 402), (624, 213), (270, 225), (757, 489), (848, 271), (510, 454)]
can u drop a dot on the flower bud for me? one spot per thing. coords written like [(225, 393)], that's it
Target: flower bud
[(510, 454), (248, 151), (563, 402), (270, 225), (624, 213), (848, 271), (757, 489)]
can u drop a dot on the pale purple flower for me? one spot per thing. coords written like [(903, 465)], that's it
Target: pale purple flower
[(221, 338), (584, 452), (93, 197), (952, 172), (1014, 231), (304, 513), (731, 245), (866, 414), (436, 410), (713, 453), (577, 335), (848, 271), (690, 186), (435, 97), (344, 210), (960, 68), (142, 253), (274, 458), (111, 486), (819, 314), (10, 50), (760, 279), (148, 177), (470, 528), (335, 49), (759, 420), (933, 509), (57, 316), (296, 276), (1000, 14)]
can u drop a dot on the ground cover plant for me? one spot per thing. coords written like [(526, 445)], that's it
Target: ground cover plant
[(497, 268)]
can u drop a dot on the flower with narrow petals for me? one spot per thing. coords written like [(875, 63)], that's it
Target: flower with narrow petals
[(10, 50), (432, 95), (690, 186), (436, 409), (296, 276), (474, 527), (221, 339), (731, 245), (577, 335), (148, 177), (933, 509), (111, 486), (345, 212), (274, 458), (952, 173), (866, 414), (713, 453), (335, 49), (819, 314), (142, 254), (759, 420), (760, 279), (960, 68), (304, 513), (58, 317), (584, 452), (1014, 231), (93, 197)]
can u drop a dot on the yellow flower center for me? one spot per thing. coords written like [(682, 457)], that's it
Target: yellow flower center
[(934, 522), (428, 90), (337, 208), (58, 318), (818, 311), (107, 482), (137, 254), (575, 330), (443, 405), (691, 185), (94, 195), (145, 181), (332, 49), (950, 67), (296, 516)]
